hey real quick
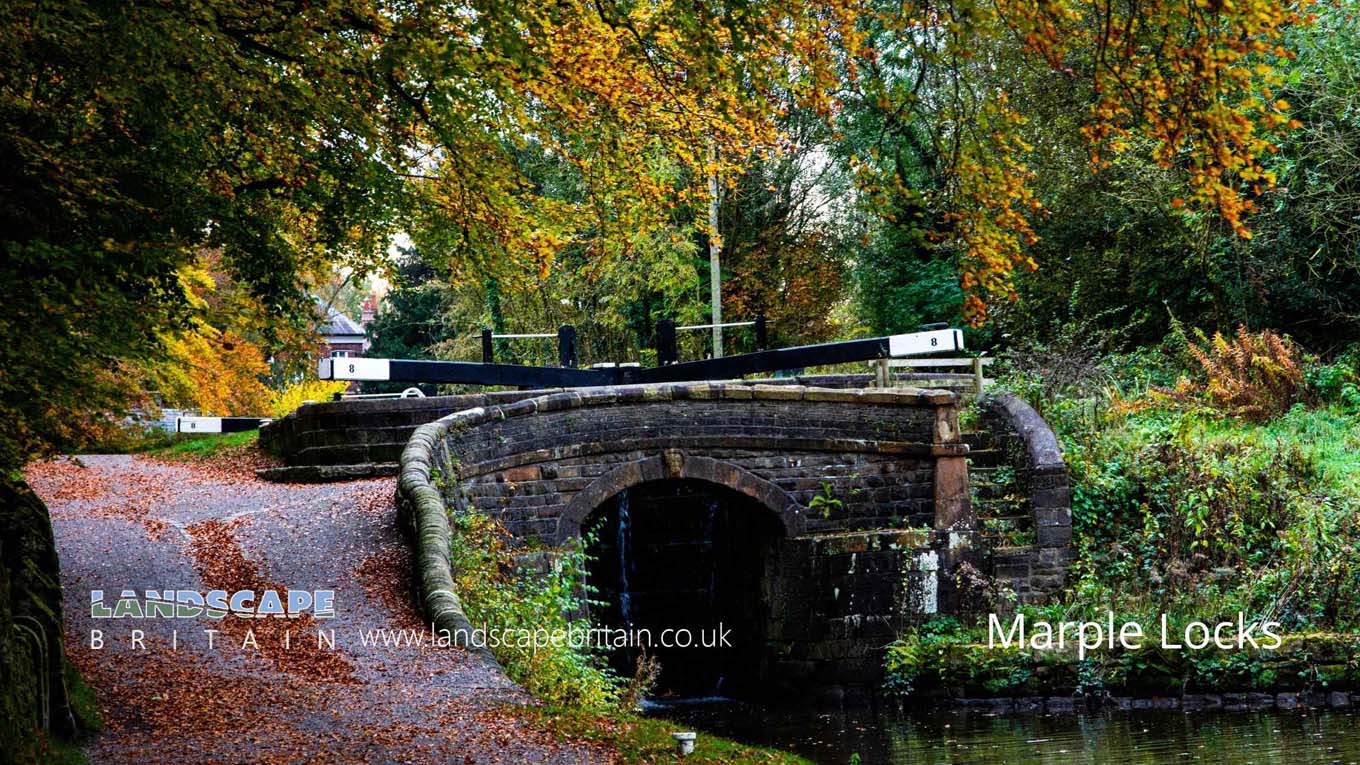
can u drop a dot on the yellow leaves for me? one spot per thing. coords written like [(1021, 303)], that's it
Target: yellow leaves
[(195, 281), (218, 373), (628, 95), (210, 365), (286, 401), (991, 211), (1192, 80)]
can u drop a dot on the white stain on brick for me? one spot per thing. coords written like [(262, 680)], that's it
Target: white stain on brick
[(928, 563)]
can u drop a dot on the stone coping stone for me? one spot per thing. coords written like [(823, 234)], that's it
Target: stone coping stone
[(421, 506), (328, 473), (1041, 445), (766, 388)]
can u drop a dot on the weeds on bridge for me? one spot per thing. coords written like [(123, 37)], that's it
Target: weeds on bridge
[(498, 594)]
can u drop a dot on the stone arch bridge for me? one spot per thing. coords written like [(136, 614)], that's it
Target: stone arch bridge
[(813, 523)]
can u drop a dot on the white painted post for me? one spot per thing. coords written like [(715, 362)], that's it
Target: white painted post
[(714, 253)]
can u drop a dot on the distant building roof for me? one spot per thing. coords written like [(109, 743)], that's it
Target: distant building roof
[(338, 324)]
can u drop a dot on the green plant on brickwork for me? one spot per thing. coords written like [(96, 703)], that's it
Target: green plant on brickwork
[(438, 479), (1005, 533), (970, 417), (1004, 476), (826, 501)]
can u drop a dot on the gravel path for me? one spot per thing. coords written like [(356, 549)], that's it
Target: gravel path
[(137, 523)]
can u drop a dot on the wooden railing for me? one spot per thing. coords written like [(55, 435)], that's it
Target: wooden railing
[(975, 365)]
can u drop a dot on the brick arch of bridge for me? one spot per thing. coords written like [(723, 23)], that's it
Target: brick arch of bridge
[(675, 464)]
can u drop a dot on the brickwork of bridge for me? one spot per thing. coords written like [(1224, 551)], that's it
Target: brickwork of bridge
[(815, 523)]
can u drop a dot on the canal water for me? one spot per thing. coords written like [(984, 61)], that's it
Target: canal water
[(966, 737)]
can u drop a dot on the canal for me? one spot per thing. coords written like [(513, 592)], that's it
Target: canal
[(967, 737)]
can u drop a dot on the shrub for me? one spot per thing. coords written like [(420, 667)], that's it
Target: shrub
[(1177, 511), (943, 653), (499, 595), (1253, 375), (1337, 382), (289, 399)]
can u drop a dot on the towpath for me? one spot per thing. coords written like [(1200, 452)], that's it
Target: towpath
[(132, 522)]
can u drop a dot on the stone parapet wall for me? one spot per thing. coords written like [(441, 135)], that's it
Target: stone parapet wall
[(374, 431), (1037, 571)]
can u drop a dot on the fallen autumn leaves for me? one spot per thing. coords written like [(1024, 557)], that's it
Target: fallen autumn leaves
[(114, 517)]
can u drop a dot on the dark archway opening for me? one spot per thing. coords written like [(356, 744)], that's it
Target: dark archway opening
[(682, 554)]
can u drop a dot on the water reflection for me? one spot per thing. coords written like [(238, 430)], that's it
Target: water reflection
[(964, 737)]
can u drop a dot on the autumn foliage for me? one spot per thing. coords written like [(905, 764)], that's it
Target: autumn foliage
[(1194, 81), (290, 139), (1252, 375)]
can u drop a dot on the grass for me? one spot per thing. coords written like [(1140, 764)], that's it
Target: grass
[(83, 701), (648, 739), (1329, 435), (195, 447), (55, 750)]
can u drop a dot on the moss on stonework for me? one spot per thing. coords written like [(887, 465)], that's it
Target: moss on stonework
[(37, 720)]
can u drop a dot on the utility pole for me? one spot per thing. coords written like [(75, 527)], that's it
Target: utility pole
[(714, 252)]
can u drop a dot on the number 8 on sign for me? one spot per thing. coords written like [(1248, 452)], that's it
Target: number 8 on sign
[(354, 369)]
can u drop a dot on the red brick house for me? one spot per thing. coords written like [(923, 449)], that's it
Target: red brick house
[(340, 335)]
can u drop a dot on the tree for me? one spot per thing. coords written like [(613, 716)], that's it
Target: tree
[(785, 248), (1120, 258), (135, 135), (411, 321), (1194, 83)]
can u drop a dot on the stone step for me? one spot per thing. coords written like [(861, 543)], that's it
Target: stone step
[(991, 472), (1012, 555), (328, 473), (987, 490), (982, 486), (1009, 538), (978, 439), (986, 458), (1008, 505), (1006, 523)]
